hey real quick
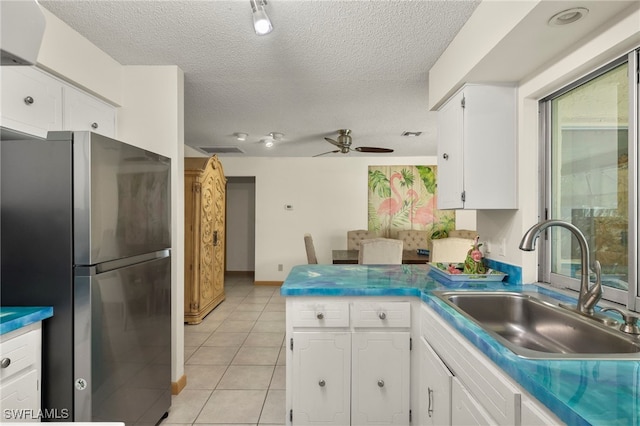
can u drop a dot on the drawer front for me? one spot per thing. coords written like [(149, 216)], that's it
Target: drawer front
[(382, 314), (19, 353), (320, 314)]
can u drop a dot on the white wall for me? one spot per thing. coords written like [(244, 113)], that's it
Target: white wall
[(607, 43), (329, 197), (151, 117)]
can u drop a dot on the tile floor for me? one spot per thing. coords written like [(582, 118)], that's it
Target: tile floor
[(235, 361)]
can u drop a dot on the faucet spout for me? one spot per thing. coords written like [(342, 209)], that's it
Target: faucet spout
[(589, 296)]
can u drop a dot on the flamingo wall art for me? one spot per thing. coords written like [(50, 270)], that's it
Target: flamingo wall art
[(405, 197)]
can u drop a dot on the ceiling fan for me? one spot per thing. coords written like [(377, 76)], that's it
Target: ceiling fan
[(344, 143)]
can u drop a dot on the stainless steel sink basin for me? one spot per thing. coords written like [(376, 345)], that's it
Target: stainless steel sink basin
[(532, 326)]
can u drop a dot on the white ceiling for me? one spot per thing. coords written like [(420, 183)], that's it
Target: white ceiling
[(327, 65)]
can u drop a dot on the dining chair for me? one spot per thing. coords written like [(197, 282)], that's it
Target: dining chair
[(311, 250), (452, 250), (414, 239), (355, 236), (380, 251)]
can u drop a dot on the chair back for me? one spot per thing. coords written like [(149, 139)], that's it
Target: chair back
[(355, 236), (414, 239), (311, 251), (463, 233), (380, 251), (450, 250)]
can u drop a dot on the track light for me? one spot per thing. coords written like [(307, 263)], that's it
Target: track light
[(261, 22)]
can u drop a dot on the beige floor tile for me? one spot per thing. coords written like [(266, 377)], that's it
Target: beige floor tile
[(203, 376), (209, 355), (264, 339), (206, 326), (274, 307), (269, 327), (265, 290), (186, 405), (246, 377), (252, 298), (282, 357), (274, 410), (188, 351), (244, 315), (233, 406), (195, 338), (272, 316), (228, 339), (248, 355), (236, 326), (278, 381), (259, 307)]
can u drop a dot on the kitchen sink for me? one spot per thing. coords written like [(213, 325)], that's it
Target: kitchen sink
[(534, 326)]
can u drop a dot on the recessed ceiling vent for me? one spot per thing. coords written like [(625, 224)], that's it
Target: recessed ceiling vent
[(220, 149)]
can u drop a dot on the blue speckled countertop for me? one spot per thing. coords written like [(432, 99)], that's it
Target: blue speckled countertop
[(15, 317), (579, 392)]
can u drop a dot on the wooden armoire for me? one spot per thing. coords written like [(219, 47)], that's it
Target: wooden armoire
[(204, 234)]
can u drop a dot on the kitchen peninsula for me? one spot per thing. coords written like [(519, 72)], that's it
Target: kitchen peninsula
[(346, 331)]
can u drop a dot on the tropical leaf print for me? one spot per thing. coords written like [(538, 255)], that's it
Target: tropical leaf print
[(379, 183), (428, 178)]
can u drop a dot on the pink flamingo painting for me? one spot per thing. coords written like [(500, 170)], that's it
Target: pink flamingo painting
[(392, 205), (422, 215)]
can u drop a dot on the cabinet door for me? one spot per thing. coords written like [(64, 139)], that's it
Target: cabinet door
[(534, 414), (450, 155), (31, 101), (83, 112), (465, 410), (321, 378), (435, 388), (219, 207), (19, 395), (380, 378)]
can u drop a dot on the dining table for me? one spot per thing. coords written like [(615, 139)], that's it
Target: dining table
[(341, 257)]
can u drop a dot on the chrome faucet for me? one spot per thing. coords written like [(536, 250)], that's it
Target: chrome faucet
[(588, 297)]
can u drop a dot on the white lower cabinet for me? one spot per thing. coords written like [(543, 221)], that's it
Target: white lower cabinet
[(349, 363), (435, 388), (380, 378), (20, 372), (465, 410)]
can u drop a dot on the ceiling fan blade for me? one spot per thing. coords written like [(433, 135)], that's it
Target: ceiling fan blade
[(373, 149), (328, 152), (331, 141)]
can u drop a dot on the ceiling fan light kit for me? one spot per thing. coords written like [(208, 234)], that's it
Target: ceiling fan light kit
[(344, 143)]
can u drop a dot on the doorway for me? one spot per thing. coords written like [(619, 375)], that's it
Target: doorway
[(241, 224)]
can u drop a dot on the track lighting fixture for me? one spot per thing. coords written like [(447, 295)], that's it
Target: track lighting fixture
[(261, 22)]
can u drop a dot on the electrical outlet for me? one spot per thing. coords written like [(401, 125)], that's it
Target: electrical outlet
[(279, 266)]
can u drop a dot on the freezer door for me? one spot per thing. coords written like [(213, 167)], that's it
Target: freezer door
[(121, 197), (122, 337)]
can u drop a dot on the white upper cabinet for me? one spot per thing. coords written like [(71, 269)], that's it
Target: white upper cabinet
[(477, 149), (31, 101), (84, 112), (34, 102)]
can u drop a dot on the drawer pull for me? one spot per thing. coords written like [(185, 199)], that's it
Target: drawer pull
[(381, 383), (29, 100), (94, 125), (382, 315), (445, 156), (321, 383), (430, 410), (5, 362), (320, 315)]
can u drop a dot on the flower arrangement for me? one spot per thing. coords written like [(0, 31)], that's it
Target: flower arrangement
[(473, 263)]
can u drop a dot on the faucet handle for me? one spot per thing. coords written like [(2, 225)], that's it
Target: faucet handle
[(630, 321)]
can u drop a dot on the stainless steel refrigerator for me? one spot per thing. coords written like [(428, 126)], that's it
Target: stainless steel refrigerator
[(85, 228)]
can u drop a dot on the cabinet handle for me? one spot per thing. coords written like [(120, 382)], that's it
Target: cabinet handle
[(430, 410), (215, 238), (445, 156), (382, 315), (29, 100), (381, 383), (5, 362), (321, 383), (94, 125), (320, 315)]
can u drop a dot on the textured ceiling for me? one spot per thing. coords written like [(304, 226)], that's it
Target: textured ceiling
[(327, 65)]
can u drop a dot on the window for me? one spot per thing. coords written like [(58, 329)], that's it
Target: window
[(590, 179)]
